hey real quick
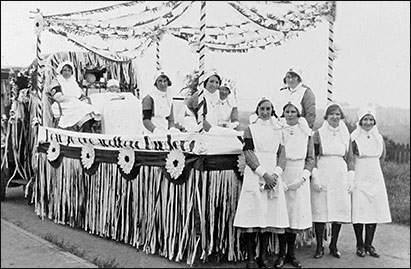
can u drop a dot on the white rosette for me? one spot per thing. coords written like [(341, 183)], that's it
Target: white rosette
[(241, 163), (53, 151), (87, 155), (126, 159), (175, 163)]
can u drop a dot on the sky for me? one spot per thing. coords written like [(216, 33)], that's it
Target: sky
[(372, 65)]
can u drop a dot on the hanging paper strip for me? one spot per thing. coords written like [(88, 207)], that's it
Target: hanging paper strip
[(150, 213)]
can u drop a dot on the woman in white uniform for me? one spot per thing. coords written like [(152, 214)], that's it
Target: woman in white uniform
[(262, 207), (299, 152), (369, 197), (74, 109), (227, 110), (211, 83), (332, 180), (157, 110)]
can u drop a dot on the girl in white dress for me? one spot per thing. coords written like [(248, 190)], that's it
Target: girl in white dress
[(332, 180), (262, 207), (299, 153), (369, 197)]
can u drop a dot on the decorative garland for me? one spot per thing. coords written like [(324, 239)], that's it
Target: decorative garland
[(72, 31), (176, 163), (138, 30), (98, 10)]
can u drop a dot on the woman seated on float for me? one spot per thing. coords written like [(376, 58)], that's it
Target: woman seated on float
[(157, 106), (73, 108), (211, 86), (227, 109)]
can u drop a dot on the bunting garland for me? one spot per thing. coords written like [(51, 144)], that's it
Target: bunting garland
[(140, 32)]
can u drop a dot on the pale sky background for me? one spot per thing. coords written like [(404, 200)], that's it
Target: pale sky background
[(373, 63)]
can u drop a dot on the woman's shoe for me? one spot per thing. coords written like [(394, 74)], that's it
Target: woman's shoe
[(279, 262), (260, 263), (360, 252), (319, 253), (294, 261), (334, 252), (371, 250), (251, 264)]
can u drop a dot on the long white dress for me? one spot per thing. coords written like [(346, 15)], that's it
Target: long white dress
[(333, 204), (369, 198), (256, 208), (298, 201)]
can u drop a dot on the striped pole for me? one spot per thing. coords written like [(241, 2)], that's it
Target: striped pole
[(40, 65), (330, 60), (158, 64), (200, 118), (331, 51)]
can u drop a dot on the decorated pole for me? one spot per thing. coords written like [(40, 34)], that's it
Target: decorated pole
[(201, 116), (158, 63), (331, 51), (39, 23)]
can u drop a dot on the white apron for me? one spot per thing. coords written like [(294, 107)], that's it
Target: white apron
[(369, 198), (298, 201), (262, 208), (333, 204), (224, 109), (73, 111), (162, 109), (285, 96)]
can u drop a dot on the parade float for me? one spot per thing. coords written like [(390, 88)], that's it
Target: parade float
[(174, 194)]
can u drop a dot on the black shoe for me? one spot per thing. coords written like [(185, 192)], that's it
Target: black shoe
[(360, 252), (334, 252), (279, 262), (293, 261), (319, 253), (260, 263), (371, 250), (251, 264)]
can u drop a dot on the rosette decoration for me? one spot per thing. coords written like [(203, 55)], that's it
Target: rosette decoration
[(54, 151), (175, 163), (126, 160), (53, 154), (87, 156)]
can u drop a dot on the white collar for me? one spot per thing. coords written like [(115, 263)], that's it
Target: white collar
[(296, 88)]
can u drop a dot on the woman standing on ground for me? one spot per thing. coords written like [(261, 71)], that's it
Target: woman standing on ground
[(262, 207), (333, 178), (369, 197), (299, 153)]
